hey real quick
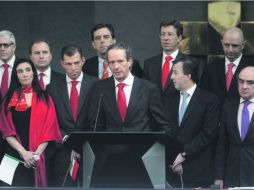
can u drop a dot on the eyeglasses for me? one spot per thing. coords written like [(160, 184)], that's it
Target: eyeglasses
[(5, 45), (249, 82), (169, 34)]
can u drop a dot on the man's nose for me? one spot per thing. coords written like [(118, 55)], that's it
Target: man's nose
[(73, 67)]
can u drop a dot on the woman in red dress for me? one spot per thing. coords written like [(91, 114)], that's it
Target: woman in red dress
[(28, 123)]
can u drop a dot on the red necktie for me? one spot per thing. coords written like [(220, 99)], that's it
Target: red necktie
[(105, 71), (165, 71), (41, 81), (4, 83), (121, 100), (74, 99), (229, 74)]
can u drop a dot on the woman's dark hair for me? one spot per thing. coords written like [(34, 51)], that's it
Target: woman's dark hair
[(16, 86)]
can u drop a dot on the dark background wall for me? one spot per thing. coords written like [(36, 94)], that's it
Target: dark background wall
[(62, 22)]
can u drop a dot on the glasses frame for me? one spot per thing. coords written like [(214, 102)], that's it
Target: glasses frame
[(6, 45)]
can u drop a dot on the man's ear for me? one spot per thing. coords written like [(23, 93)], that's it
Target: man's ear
[(83, 60), (62, 63), (93, 45), (130, 61)]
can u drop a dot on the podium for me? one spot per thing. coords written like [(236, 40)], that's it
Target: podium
[(121, 159)]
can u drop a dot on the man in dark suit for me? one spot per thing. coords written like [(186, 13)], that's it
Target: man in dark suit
[(70, 96), (158, 68), (234, 155), (219, 77), (103, 35), (124, 103), (195, 114), (141, 99), (41, 56), (7, 61)]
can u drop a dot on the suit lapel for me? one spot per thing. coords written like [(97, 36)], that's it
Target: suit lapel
[(222, 74), (83, 92), (64, 93), (175, 106), (96, 67), (233, 84), (250, 129), (52, 77), (133, 98), (234, 126), (111, 94), (157, 70)]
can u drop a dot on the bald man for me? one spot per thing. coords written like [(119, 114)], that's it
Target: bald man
[(235, 149), (219, 77)]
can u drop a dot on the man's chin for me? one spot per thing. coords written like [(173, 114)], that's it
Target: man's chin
[(119, 78)]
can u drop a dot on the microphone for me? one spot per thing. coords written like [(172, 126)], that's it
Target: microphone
[(97, 115)]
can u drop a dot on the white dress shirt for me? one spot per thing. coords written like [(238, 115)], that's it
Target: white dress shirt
[(240, 109), (173, 55), (78, 85), (47, 77), (236, 63), (127, 87), (11, 64), (190, 92)]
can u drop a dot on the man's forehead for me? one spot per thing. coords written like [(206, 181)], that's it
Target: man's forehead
[(247, 74), (76, 55), (4, 39), (102, 31)]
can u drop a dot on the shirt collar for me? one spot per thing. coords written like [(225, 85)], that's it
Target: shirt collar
[(242, 100), (236, 62), (47, 72), (79, 79), (101, 60), (173, 55), (190, 91), (128, 81)]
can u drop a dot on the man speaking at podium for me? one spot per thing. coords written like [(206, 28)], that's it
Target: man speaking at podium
[(124, 102)]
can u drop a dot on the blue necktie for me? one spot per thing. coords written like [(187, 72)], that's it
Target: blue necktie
[(183, 107), (245, 119)]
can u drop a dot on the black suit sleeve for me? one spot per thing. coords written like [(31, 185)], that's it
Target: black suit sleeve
[(157, 110), (222, 148), (52, 90), (208, 131)]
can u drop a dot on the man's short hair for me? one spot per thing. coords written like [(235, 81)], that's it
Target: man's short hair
[(101, 25), (175, 23), (9, 34), (36, 42), (126, 48), (190, 67), (71, 50)]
